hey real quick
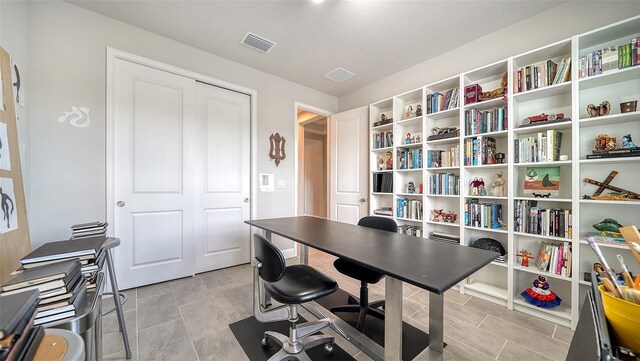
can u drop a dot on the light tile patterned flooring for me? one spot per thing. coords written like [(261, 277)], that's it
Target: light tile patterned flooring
[(187, 319)]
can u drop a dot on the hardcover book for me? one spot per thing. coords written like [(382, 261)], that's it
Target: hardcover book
[(64, 271), (85, 247)]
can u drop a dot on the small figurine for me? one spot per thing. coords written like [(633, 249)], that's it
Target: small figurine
[(420, 188), (497, 187), (383, 117), (473, 190), (608, 227), (540, 295), (526, 256), (500, 158), (408, 140), (418, 110), (436, 215), (481, 190), (380, 164), (409, 113), (598, 111), (627, 142), (411, 188), (418, 139), (389, 161), (605, 142)]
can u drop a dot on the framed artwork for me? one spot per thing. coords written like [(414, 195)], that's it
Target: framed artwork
[(542, 180), (8, 206)]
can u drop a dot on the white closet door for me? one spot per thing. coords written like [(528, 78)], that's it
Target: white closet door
[(349, 165), (223, 178), (154, 129)]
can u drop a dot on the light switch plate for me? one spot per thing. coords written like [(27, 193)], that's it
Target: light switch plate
[(281, 184)]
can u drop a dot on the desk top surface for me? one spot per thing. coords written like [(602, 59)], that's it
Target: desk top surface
[(432, 265)]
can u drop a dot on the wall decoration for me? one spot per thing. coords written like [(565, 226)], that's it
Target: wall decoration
[(276, 150), (17, 84), (266, 182), (543, 180), (5, 159), (77, 117), (9, 221)]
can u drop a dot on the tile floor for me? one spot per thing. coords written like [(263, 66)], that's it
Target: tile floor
[(187, 319)]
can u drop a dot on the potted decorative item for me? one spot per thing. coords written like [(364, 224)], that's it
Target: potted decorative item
[(540, 295)]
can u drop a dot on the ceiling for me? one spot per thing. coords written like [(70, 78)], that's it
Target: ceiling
[(373, 39)]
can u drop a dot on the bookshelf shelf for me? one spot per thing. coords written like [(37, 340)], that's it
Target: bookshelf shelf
[(610, 160), (613, 77), (543, 127), (487, 289), (381, 194), (444, 224), (560, 239), (409, 219), (382, 171), (584, 283), (606, 245), (610, 119), (558, 162), (410, 121), (449, 113), (536, 271), (502, 282), (487, 229), (382, 215), (498, 134), (548, 91)]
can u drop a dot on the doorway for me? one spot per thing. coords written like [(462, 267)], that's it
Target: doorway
[(313, 162)]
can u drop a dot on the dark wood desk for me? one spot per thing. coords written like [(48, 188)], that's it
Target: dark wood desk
[(432, 265)]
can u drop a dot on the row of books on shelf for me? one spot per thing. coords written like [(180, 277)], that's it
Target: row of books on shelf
[(445, 237), (541, 75), (482, 215), (541, 147), (444, 184), (529, 218), (444, 158), (479, 122), (19, 337), (415, 231), (382, 183), (480, 150), (614, 153), (409, 158), (437, 102), (610, 58), (409, 208), (382, 140), (555, 258), (384, 211)]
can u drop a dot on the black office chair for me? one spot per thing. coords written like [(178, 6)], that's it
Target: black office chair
[(292, 286), (365, 275)]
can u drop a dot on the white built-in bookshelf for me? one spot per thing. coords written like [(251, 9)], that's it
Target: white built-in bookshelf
[(498, 282)]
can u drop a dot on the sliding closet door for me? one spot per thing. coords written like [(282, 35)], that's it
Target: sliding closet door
[(222, 178), (154, 174)]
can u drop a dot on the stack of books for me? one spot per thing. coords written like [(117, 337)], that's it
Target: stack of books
[(479, 151), (445, 237), (437, 102), (85, 230), (555, 258), (542, 147), (60, 285), (88, 251), (485, 121), (415, 231), (19, 339)]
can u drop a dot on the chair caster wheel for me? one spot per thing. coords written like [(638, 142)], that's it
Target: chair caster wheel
[(328, 348), (265, 342)]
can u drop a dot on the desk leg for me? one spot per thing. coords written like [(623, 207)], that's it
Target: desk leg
[(393, 319), (436, 322), (266, 299), (118, 304), (304, 254)]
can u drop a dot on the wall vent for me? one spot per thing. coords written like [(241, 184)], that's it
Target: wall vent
[(257, 42), (339, 75)]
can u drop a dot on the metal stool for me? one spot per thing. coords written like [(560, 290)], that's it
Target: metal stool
[(110, 243)]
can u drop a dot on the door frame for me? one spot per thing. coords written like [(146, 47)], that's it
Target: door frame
[(298, 105), (113, 54)]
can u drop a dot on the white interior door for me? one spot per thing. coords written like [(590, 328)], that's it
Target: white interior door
[(153, 133), (349, 165), (223, 179)]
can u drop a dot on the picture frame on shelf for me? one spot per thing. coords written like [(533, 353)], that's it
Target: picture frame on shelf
[(542, 180)]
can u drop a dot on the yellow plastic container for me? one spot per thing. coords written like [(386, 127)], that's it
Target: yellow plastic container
[(624, 319)]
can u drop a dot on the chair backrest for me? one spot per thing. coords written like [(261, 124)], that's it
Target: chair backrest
[(273, 263), (385, 224)]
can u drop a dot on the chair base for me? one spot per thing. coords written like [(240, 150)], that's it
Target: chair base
[(362, 307), (299, 340)]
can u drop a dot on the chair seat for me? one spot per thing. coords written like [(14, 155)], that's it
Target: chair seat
[(356, 271), (301, 284)]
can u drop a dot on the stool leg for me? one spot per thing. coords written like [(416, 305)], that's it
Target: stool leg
[(118, 305)]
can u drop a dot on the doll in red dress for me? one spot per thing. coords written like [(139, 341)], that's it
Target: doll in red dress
[(540, 295)]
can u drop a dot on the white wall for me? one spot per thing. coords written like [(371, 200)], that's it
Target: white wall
[(558, 23), (68, 68), (14, 38)]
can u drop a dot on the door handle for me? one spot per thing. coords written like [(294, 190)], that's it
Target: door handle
[(362, 200), (120, 204), (246, 200)]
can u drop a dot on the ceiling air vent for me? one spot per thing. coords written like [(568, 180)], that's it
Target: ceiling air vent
[(257, 42), (339, 75)]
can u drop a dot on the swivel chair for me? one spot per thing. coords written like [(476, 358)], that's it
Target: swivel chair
[(292, 286), (365, 275)]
